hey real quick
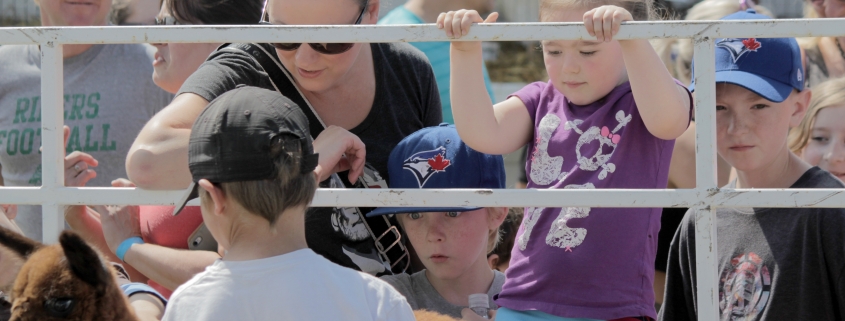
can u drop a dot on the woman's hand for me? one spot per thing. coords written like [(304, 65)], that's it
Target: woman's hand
[(339, 151), (457, 24), (603, 22), (78, 166), (119, 222)]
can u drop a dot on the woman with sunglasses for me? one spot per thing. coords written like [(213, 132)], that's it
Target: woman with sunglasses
[(379, 92)]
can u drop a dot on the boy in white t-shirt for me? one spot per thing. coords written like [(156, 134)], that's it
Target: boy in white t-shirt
[(255, 171)]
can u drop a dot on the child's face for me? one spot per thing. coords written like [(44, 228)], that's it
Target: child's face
[(448, 244), (751, 131), (582, 70), (826, 148)]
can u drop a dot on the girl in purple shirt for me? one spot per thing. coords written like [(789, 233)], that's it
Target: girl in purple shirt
[(607, 118)]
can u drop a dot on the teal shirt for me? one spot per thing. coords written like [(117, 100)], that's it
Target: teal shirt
[(438, 56)]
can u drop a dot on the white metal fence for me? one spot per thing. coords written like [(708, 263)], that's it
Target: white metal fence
[(705, 198)]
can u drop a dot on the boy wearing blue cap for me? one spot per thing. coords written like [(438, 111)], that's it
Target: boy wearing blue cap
[(774, 263), (452, 242)]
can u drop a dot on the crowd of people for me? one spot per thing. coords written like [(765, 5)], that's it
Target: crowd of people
[(252, 130)]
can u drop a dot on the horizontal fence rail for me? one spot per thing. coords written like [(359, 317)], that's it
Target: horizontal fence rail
[(425, 32), (690, 198), (704, 199)]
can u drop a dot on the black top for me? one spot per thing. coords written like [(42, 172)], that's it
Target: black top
[(406, 100), (774, 263)]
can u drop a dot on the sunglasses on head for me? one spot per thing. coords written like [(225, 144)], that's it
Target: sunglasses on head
[(323, 48)]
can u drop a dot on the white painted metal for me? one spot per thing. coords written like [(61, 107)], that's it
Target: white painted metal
[(457, 197), (706, 197), (428, 32), (706, 256), (53, 149)]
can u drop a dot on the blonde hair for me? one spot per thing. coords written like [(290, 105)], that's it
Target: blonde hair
[(830, 93), (640, 9), (680, 65), (269, 198)]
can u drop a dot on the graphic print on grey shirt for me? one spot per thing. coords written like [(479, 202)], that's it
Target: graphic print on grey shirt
[(109, 95), (774, 263), (421, 294), (406, 100)]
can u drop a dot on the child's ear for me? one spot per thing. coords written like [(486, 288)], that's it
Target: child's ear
[(85, 262), (218, 198), (496, 216), (493, 261), (801, 103), (14, 249)]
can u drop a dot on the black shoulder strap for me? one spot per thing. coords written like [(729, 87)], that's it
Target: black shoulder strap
[(282, 81), (387, 238)]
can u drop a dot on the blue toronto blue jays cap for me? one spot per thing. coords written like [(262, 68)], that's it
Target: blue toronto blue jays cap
[(769, 67), (435, 157)]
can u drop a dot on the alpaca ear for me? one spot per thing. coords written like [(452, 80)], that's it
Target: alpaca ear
[(84, 261), (14, 249)]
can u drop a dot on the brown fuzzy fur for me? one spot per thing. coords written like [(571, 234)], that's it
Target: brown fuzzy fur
[(69, 270), (425, 315)]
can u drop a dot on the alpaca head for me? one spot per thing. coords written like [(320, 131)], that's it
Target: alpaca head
[(65, 281)]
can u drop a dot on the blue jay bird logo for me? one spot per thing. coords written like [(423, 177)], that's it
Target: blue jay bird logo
[(425, 164), (738, 47)]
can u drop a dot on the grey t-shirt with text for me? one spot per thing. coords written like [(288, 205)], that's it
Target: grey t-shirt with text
[(421, 295), (108, 97), (774, 263)]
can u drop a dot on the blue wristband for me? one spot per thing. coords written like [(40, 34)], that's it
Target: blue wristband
[(126, 244)]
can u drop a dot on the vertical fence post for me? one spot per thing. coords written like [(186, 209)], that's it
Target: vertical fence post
[(53, 150), (706, 249)]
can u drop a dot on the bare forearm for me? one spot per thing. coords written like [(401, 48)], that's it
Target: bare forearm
[(168, 267), (472, 109), (159, 158), (663, 104)]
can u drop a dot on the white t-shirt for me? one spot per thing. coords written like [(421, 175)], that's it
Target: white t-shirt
[(300, 285)]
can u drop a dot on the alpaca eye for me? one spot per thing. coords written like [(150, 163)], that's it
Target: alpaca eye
[(59, 307)]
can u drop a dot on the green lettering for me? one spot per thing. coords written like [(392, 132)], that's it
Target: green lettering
[(35, 107), (38, 133), (88, 146), (93, 105), (12, 146), (26, 149), (67, 100), (73, 141), (20, 110), (35, 180), (76, 107), (2, 135), (103, 146)]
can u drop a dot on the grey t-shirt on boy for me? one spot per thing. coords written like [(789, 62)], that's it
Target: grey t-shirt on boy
[(421, 294), (108, 97), (774, 263)]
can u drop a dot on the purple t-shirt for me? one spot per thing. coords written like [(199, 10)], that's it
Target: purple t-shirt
[(582, 262)]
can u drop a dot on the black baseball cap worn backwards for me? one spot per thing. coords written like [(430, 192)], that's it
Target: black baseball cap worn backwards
[(231, 139)]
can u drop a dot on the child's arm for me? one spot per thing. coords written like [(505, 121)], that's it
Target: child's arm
[(489, 129), (663, 104)]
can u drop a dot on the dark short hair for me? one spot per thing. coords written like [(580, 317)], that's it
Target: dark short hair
[(216, 12)]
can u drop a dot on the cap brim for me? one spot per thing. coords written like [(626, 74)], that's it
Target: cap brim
[(765, 87), (402, 210), (193, 193)]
